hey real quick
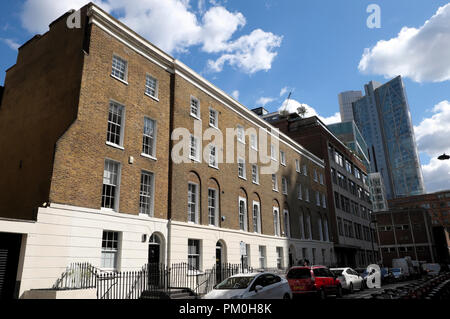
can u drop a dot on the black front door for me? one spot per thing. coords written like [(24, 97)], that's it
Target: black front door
[(153, 254), (154, 268), (9, 260), (219, 264)]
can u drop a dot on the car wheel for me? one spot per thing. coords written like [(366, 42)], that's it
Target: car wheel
[(286, 296), (350, 288), (339, 292)]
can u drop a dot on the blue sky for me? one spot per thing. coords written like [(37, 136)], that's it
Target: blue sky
[(312, 47)]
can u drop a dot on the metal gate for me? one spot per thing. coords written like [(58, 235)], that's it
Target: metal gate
[(9, 260)]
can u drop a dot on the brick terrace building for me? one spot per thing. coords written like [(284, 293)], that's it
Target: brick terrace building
[(85, 126), (346, 180), (405, 232)]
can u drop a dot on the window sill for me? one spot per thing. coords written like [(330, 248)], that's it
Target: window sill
[(195, 117), (253, 148), (242, 142), (149, 156), (215, 167), (194, 159), (283, 164), (152, 97), (242, 178), (119, 79), (214, 127), (275, 190), (109, 210), (256, 183), (115, 145)]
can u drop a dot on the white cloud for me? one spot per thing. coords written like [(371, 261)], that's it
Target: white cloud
[(264, 100), (432, 134), (11, 43), (292, 105), (421, 54), (250, 53), (436, 175), (285, 90), (174, 26), (432, 137), (235, 94)]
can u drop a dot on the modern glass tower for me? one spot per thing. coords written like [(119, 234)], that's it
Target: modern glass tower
[(345, 104), (384, 120)]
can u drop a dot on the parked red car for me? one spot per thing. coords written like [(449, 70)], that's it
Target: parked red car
[(313, 280)]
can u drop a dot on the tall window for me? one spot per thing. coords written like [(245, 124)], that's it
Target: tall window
[(305, 170), (149, 137), (287, 228), (115, 124), (279, 257), (151, 86), (315, 176), (299, 191), (255, 174), (119, 68), (213, 118), (194, 254), (195, 107), (110, 193), (241, 167), (284, 185), (274, 182), (297, 165), (302, 227), (307, 194), (242, 214), (262, 256), (283, 158), (254, 142), (110, 250), (320, 229), (308, 226), (194, 148), (192, 203), (324, 201), (212, 206), (240, 134), (321, 178), (317, 198), (256, 218), (272, 152), (276, 221), (146, 194), (212, 156)]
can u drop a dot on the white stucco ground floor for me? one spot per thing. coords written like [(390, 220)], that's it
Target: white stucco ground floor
[(41, 250)]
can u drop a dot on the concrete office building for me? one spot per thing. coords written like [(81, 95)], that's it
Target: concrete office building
[(345, 104)]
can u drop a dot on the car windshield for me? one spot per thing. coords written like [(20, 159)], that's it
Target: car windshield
[(299, 273), (236, 282), (337, 272)]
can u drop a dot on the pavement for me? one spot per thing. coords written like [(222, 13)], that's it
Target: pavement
[(367, 293)]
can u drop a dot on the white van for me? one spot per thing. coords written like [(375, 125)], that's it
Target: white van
[(431, 269)]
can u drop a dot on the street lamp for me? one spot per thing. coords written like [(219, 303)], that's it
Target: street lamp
[(443, 157)]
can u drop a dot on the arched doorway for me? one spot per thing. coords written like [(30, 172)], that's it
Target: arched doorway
[(154, 249), (291, 255), (220, 260)]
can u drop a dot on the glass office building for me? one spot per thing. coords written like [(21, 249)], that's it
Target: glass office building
[(384, 119)]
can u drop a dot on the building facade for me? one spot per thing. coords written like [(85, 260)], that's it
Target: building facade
[(378, 192), (405, 232), (91, 176), (384, 119), (345, 104), (347, 187)]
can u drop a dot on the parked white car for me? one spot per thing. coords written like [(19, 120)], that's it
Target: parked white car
[(349, 278), (262, 285)]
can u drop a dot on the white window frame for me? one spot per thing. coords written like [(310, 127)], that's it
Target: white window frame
[(125, 76), (297, 166), (213, 157), (262, 256), (276, 221), (284, 185), (302, 226), (117, 186), (324, 201), (215, 207), (320, 229), (299, 191), (254, 142), (244, 200), (196, 116), (147, 87), (122, 125), (240, 134), (144, 135), (321, 178), (275, 185), (196, 255), (272, 152), (258, 217), (216, 118), (110, 250), (241, 165), (308, 223), (143, 194), (305, 170), (255, 174), (283, 158), (280, 257), (315, 176), (196, 204), (287, 226), (327, 237), (306, 194), (317, 198), (196, 148)]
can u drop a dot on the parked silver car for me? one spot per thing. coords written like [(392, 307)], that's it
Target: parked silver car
[(349, 278), (263, 285)]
